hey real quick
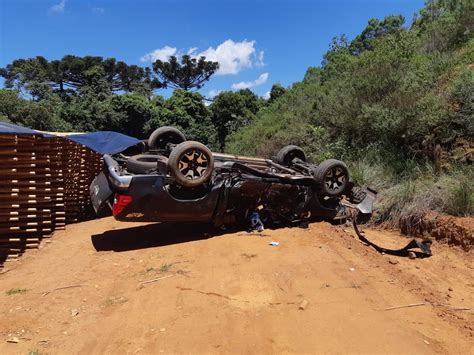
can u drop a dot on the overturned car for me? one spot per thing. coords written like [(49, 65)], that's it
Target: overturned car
[(173, 179)]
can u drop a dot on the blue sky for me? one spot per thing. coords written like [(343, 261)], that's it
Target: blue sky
[(258, 42)]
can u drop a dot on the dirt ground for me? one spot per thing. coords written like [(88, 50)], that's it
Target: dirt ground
[(84, 292)]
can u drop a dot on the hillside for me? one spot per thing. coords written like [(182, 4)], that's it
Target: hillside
[(396, 103)]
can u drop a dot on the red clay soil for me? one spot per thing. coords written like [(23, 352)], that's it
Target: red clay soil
[(458, 231), (87, 292)]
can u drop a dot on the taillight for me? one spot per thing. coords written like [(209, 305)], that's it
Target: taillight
[(120, 202)]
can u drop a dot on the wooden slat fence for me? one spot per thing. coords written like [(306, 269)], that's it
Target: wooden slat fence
[(44, 185)]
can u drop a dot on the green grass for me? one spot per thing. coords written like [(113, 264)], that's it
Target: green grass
[(15, 291), (461, 201), (373, 174), (165, 267), (405, 203)]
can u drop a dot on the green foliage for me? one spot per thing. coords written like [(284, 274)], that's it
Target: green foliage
[(71, 73), (42, 115), (384, 102), (233, 110), (276, 91), (409, 199), (375, 29), (461, 100), (186, 111), (364, 172), (190, 73), (128, 113), (445, 24), (92, 93), (381, 90), (460, 195)]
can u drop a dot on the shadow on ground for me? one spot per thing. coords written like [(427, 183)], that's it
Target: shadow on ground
[(152, 235)]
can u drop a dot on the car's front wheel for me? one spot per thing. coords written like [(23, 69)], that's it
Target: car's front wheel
[(191, 164)]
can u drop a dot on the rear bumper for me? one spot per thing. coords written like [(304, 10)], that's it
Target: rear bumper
[(104, 186), (101, 194), (118, 182)]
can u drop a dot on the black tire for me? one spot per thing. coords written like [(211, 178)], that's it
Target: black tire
[(164, 135), (191, 164), (147, 163), (332, 176), (286, 155)]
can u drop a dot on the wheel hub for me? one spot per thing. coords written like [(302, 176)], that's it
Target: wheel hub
[(335, 178), (193, 164)]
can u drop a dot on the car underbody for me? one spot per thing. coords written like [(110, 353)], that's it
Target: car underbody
[(224, 189)]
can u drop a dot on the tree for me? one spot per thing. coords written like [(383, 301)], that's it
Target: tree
[(42, 115), (190, 73), (375, 29), (71, 74), (184, 110), (276, 91), (445, 24), (313, 74), (128, 114), (233, 110), (23, 72)]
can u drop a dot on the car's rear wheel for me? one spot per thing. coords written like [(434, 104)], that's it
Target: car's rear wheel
[(146, 163), (191, 164), (332, 176), (163, 136), (287, 154)]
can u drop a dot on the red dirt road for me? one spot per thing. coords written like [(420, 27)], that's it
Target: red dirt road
[(233, 293)]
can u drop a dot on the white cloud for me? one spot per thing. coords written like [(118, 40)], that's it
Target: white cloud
[(260, 62), (191, 51), (98, 10), (231, 56), (262, 79), (162, 54), (266, 96), (58, 8), (213, 93)]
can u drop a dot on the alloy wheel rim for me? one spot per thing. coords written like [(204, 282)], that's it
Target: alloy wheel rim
[(335, 178), (193, 164)]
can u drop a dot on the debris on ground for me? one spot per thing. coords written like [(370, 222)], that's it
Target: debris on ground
[(303, 305), (256, 223)]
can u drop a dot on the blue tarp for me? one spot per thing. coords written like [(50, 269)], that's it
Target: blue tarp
[(103, 142), (14, 129)]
